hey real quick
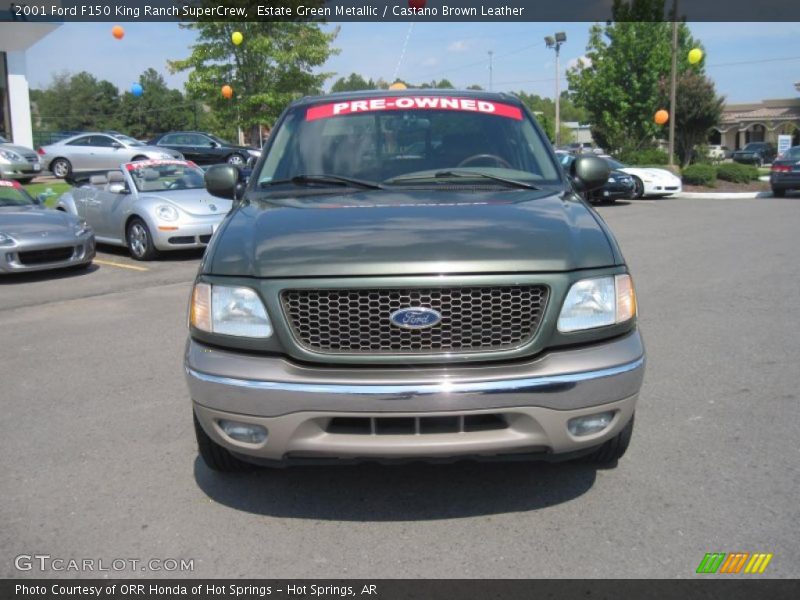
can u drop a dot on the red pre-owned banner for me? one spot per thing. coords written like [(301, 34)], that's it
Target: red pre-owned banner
[(324, 111)]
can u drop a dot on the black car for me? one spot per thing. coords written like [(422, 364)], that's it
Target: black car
[(785, 173), (204, 148), (755, 153), (619, 184)]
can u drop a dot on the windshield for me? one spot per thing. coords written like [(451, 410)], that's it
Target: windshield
[(615, 164), (164, 175), (754, 146), (409, 140), (11, 194), (127, 139), (792, 153)]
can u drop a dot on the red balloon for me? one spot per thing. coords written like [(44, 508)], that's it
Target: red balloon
[(417, 4)]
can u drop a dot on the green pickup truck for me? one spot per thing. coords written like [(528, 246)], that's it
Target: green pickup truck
[(411, 275)]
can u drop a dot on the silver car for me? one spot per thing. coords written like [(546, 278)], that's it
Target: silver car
[(34, 238), (18, 162), (92, 152), (148, 206)]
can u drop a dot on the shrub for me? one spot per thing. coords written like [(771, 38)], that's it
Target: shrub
[(737, 173), (700, 175), (648, 156)]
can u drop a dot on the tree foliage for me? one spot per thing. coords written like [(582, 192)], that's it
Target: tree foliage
[(621, 83), (276, 63), (353, 83)]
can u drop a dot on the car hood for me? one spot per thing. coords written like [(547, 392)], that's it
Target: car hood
[(643, 172), (22, 150), (22, 221), (197, 203), (405, 233)]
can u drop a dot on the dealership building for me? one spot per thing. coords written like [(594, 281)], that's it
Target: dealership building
[(758, 122), (15, 107)]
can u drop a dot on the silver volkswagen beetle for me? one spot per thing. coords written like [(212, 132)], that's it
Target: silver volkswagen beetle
[(148, 206), (34, 238)]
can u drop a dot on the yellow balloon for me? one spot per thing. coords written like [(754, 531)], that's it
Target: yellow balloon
[(695, 55), (237, 38), (398, 85)]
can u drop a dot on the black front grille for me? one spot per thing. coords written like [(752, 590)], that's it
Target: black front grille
[(41, 257), (415, 425), (204, 239), (357, 321), (32, 158)]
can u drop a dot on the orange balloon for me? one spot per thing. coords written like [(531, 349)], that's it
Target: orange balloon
[(661, 117), (227, 91), (118, 32)]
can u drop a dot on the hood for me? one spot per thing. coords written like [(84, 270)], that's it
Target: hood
[(194, 202), (23, 221), (21, 150), (405, 233), (650, 172), (155, 149)]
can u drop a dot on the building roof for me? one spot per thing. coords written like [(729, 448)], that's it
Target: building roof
[(768, 110)]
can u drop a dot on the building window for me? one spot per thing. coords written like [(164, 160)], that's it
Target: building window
[(5, 111)]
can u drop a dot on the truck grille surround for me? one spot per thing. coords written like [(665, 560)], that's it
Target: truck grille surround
[(357, 321)]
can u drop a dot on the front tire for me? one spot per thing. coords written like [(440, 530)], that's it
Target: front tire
[(638, 188), (140, 241), (61, 168), (236, 160), (215, 456), (614, 449)]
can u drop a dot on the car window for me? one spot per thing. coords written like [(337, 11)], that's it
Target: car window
[(615, 164), (383, 139), (81, 141), (170, 140), (101, 141), (199, 140), (12, 194), (162, 175), (792, 152), (128, 140)]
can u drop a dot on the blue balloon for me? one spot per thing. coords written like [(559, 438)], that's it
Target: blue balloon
[(137, 90)]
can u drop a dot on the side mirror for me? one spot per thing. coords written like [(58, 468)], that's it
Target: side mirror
[(213, 144), (221, 181), (118, 188), (41, 198), (589, 172)]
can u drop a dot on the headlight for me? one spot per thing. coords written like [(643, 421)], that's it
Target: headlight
[(229, 310), (6, 240), (165, 212), (598, 302), (11, 156), (81, 228)]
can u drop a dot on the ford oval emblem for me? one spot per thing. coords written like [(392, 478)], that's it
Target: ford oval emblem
[(415, 318)]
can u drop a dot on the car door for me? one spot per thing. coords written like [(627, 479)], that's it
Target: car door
[(78, 153), (175, 141), (106, 153), (209, 150)]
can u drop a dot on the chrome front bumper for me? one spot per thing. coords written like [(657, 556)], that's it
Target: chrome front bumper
[(296, 403)]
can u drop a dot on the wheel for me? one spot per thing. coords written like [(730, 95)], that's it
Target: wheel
[(140, 242), (25, 180), (60, 168), (778, 192), (138, 158), (613, 449), (638, 188), (235, 159), (215, 456)]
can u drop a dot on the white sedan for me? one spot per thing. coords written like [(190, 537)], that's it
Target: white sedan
[(651, 182)]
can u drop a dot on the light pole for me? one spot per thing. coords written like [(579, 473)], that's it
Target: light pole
[(673, 82), (555, 43)]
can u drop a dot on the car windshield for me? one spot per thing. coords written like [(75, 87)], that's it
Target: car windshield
[(409, 140), (615, 164), (12, 194), (792, 153), (754, 146), (165, 175), (127, 139)]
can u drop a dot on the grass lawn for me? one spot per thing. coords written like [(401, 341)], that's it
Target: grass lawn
[(34, 189)]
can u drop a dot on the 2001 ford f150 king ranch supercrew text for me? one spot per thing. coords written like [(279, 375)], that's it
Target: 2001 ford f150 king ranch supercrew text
[(411, 275)]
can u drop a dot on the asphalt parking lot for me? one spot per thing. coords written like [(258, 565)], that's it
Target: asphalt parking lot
[(98, 455)]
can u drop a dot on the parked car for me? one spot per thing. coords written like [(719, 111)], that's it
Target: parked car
[(148, 206), (755, 153), (18, 162), (785, 172), (361, 302), (92, 152), (204, 148), (34, 238), (619, 184), (648, 181)]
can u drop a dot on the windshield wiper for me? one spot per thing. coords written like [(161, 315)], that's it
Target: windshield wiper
[(467, 175), (325, 179)]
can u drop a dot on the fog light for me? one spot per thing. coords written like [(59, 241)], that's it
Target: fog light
[(243, 432), (580, 426)]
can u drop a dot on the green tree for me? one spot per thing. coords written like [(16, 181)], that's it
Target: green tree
[(353, 83), (620, 84), (157, 110), (76, 102), (276, 63)]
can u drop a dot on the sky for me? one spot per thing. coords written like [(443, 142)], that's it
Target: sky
[(745, 60)]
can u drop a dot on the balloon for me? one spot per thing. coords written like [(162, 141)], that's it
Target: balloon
[(227, 92), (661, 117), (137, 90), (237, 38), (118, 32), (417, 4), (695, 55), (398, 85)]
